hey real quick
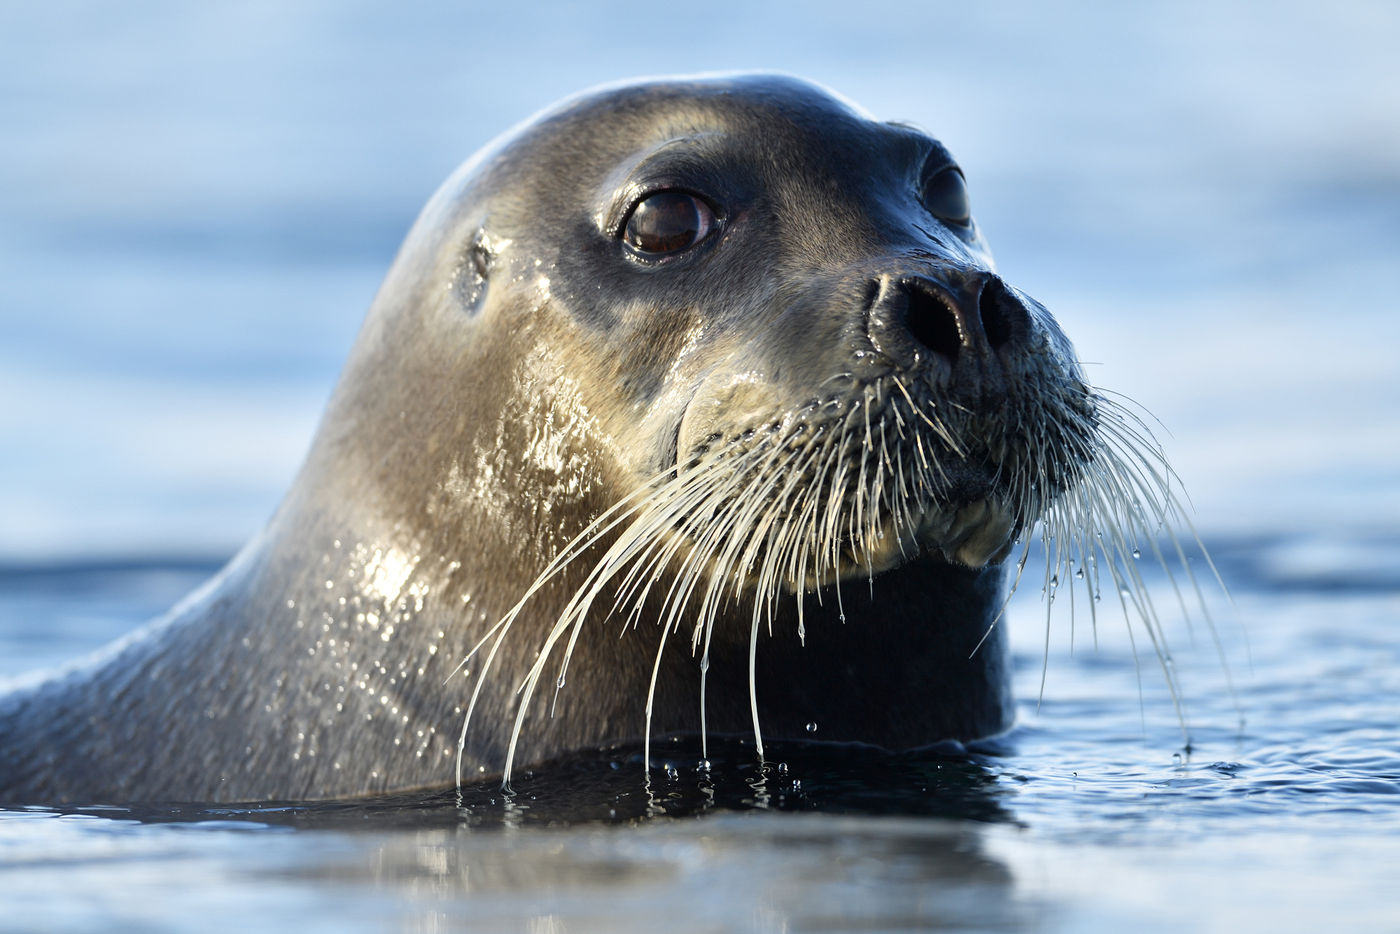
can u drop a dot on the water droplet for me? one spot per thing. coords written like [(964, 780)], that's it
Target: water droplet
[(1125, 592), (1136, 554), (1054, 581), (812, 727), (782, 768), (842, 617), (560, 683), (703, 765), (1079, 574)]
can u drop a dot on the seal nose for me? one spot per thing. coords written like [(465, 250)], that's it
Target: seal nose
[(971, 313)]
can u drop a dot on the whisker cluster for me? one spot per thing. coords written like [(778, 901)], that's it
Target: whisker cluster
[(805, 501)]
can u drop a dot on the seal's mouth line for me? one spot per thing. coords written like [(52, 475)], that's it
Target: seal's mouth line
[(980, 533), (972, 535)]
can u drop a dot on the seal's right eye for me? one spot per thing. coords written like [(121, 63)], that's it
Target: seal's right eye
[(667, 222)]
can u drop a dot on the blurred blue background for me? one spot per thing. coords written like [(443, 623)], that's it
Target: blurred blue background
[(197, 202)]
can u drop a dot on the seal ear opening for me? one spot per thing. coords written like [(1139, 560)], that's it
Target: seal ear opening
[(474, 273), (482, 257)]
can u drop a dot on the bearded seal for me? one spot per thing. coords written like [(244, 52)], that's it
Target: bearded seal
[(692, 407)]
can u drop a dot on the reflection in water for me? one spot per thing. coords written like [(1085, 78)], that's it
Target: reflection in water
[(743, 872), (612, 787)]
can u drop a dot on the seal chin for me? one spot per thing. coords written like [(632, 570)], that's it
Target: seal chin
[(976, 535), (973, 535)]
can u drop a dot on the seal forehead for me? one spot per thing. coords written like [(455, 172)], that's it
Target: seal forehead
[(783, 121)]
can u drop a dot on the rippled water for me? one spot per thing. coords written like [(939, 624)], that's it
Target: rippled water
[(197, 202), (1285, 811)]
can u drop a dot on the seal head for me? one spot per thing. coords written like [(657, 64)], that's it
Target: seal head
[(774, 326)]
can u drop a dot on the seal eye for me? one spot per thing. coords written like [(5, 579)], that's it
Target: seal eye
[(668, 221), (944, 194)]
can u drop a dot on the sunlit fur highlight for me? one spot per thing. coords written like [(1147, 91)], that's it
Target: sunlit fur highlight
[(790, 507)]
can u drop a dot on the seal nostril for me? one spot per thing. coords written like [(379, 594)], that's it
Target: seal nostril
[(932, 322), (996, 320)]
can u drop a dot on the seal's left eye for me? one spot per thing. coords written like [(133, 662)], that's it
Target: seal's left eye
[(944, 193), (668, 221)]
